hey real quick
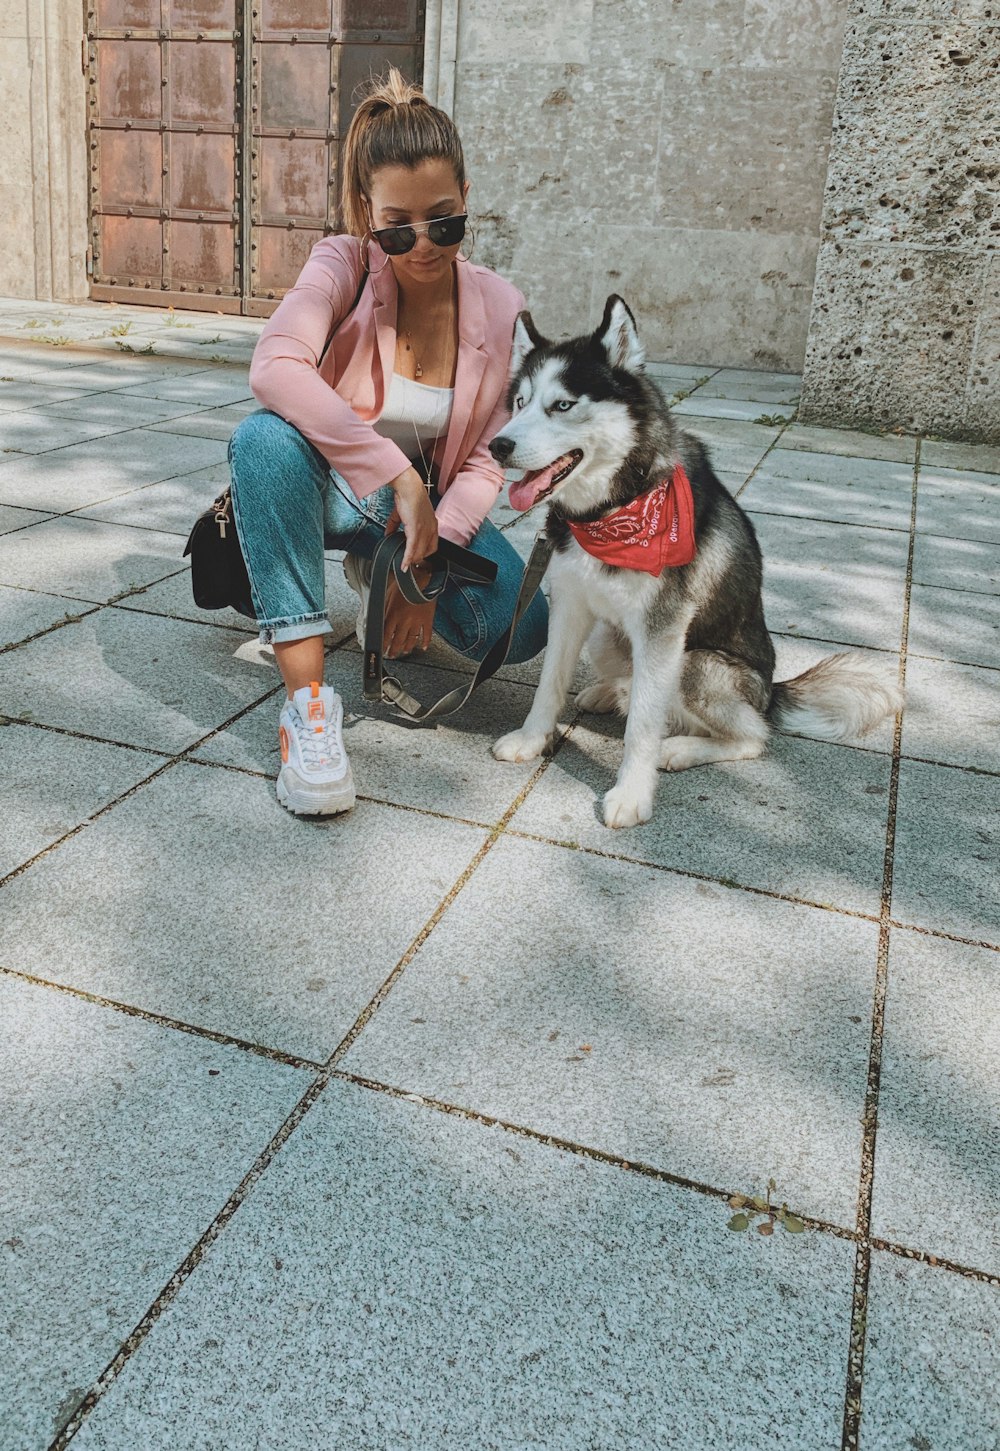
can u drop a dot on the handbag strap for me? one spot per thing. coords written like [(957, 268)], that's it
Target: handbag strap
[(449, 559)]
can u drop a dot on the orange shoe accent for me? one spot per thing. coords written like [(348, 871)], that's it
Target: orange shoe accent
[(315, 705), (283, 741)]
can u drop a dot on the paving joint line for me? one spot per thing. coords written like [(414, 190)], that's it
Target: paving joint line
[(195, 1255), (569, 1146), (179, 758), (822, 519), (164, 1020), (728, 882), (169, 1292), (770, 449), (494, 834), (854, 1389)]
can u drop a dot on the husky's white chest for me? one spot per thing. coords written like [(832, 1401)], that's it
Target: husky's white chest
[(619, 596)]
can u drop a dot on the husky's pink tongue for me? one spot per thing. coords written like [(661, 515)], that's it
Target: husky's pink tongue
[(528, 490)]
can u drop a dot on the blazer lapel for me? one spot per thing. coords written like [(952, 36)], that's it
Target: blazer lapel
[(472, 360), (384, 290)]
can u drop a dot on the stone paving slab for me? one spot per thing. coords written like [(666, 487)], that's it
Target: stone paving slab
[(172, 505), (832, 582), (751, 822), (12, 517), (716, 1035), (25, 612), (959, 503), (847, 443), (698, 404), (982, 458), (210, 422), (452, 1286), (953, 624), (259, 924), (216, 386), (30, 432), (111, 406), (873, 492), (945, 875), (18, 390), (86, 559), (123, 676), (731, 432), (121, 1140), (952, 714), (763, 390), (964, 564), (448, 769), (173, 597), (87, 473), (932, 1360), (937, 1163), (53, 782)]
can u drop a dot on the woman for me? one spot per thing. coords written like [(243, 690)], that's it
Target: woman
[(410, 388)]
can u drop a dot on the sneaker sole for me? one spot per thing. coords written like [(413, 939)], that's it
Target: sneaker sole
[(299, 804)]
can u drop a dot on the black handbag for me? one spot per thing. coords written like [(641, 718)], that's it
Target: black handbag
[(219, 578)]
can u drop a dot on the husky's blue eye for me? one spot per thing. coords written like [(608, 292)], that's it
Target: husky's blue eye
[(518, 402), (564, 404)]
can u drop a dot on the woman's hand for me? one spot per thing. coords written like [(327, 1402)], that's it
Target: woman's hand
[(407, 627), (415, 512)]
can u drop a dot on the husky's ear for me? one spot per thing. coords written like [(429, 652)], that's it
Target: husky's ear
[(526, 339), (618, 337)]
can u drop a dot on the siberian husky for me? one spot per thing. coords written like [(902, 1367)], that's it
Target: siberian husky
[(684, 650)]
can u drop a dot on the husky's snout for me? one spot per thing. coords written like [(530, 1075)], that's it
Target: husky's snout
[(502, 448)]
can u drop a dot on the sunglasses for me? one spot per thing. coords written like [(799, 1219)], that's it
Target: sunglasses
[(443, 232)]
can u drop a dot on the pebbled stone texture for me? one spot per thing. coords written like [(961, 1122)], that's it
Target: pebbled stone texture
[(905, 325), (891, 339), (914, 156)]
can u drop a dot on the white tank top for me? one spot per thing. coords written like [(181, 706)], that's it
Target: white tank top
[(415, 411)]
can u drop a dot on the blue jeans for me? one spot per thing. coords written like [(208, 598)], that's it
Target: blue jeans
[(289, 506)]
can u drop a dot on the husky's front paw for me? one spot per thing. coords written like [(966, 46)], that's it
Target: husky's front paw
[(624, 806), (522, 745)]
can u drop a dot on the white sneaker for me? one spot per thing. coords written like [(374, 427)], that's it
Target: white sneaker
[(315, 777), (358, 573)]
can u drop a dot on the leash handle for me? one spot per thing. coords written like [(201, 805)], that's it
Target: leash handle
[(449, 558)]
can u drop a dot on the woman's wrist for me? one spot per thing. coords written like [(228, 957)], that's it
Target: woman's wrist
[(408, 482)]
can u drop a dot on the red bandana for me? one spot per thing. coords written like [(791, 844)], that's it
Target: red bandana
[(654, 531)]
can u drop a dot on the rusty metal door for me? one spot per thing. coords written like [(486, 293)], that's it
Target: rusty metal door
[(214, 138)]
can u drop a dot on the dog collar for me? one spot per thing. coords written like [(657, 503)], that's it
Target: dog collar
[(653, 532)]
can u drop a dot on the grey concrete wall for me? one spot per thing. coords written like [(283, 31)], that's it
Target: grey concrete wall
[(671, 150), (43, 151), (905, 329)]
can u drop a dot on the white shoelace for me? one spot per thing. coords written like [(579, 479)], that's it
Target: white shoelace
[(319, 747)]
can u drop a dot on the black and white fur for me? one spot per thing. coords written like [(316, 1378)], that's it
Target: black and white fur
[(687, 654)]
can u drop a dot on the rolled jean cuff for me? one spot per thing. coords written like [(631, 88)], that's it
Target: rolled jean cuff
[(300, 627)]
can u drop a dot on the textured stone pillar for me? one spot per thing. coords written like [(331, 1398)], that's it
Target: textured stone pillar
[(905, 324), (43, 151)]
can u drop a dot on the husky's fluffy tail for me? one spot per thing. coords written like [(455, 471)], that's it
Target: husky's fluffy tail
[(838, 698)]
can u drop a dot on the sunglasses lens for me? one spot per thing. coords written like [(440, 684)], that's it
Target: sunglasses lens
[(394, 241), (447, 232)]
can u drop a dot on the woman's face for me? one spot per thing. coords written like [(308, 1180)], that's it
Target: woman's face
[(403, 194)]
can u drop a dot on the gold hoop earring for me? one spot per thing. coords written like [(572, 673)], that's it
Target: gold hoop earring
[(364, 246), (464, 256)]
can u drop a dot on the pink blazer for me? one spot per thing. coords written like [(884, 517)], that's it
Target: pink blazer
[(334, 404)]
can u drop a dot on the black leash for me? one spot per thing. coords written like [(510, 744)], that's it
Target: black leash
[(449, 559)]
